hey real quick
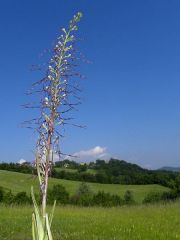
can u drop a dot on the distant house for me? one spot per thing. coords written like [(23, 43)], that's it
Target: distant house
[(82, 163), (66, 165)]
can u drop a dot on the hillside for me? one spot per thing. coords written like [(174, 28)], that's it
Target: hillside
[(22, 182), (170, 169), (113, 171)]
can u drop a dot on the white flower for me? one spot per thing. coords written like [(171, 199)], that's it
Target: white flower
[(44, 151), (46, 100), (67, 56), (60, 43), (50, 67)]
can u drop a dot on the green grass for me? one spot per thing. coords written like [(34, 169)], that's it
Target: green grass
[(72, 223), (91, 171), (22, 182), (58, 169)]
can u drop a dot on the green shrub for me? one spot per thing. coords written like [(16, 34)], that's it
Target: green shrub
[(58, 193), (116, 200), (82, 200), (82, 168), (169, 196), (129, 197), (1, 194), (8, 198), (83, 196), (106, 199), (154, 197), (84, 189), (21, 198)]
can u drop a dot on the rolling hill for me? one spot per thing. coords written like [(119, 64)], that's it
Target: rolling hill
[(170, 169), (22, 182)]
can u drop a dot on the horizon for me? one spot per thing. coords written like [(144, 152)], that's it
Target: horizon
[(22, 161), (130, 98)]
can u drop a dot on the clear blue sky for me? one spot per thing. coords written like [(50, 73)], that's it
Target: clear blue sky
[(131, 97)]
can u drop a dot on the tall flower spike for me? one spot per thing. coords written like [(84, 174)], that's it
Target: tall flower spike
[(56, 93)]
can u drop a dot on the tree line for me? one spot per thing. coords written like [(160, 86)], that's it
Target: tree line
[(85, 197), (113, 171)]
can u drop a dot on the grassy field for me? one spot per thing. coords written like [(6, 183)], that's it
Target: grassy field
[(72, 223), (91, 171), (21, 182), (66, 170)]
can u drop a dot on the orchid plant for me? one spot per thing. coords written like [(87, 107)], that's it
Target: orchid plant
[(58, 96)]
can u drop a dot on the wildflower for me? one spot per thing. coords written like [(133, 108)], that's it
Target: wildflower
[(67, 56), (50, 68)]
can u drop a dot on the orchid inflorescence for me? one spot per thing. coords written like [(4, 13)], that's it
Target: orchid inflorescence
[(57, 92)]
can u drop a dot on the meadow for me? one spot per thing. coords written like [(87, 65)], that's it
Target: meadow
[(138, 222), (153, 222), (92, 171), (18, 182)]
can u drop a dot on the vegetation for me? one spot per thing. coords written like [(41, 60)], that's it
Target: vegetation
[(58, 193), (85, 197), (15, 167), (114, 171), (154, 197), (57, 96), (159, 222), (19, 182)]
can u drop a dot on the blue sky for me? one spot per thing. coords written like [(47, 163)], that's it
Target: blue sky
[(131, 96)]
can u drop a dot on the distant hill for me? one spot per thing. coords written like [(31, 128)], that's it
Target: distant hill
[(18, 182), (170, 169), (113, 171)]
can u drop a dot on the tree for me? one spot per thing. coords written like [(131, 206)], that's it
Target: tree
[(57, 94), (128, 197), (82, 168), (1, 194), (58, 193), (84, 189), (83, 196)]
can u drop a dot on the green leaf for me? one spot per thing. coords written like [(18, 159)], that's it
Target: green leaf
[(52, 214), (37, 223)]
